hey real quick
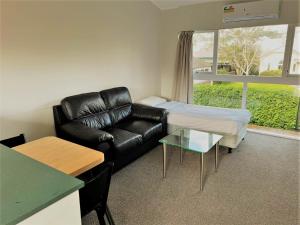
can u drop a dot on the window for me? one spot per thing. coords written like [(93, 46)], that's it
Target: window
[(273, 105), (218, 94), (257, 51), (235, 68), (295, 60), (203, 44)]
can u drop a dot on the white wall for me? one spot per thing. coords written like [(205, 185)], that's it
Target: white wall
[(207, 16), (50, 50)]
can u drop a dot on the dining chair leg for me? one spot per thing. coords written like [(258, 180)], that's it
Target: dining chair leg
[(100, 217), (102, 220), (109, 216)]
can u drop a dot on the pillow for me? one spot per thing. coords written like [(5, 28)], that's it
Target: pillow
[(152, 101)]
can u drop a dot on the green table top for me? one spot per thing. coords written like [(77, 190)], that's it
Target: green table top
[(27, 186), (192, 140)]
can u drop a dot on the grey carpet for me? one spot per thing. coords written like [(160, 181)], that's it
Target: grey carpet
[(257, 185)]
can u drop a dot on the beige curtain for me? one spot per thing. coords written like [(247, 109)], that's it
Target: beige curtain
[(183, 68)]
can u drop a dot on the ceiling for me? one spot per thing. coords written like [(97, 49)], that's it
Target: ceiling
[(172, 4)]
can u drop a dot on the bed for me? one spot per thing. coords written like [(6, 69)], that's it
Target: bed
[(231, 123)]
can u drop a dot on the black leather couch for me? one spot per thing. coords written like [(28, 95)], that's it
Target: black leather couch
[(108, 121)]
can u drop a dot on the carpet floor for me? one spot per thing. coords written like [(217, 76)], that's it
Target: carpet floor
[(258, 184)]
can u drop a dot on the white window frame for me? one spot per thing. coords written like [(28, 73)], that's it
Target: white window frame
[(214, 51), (286, 78), (289, 50), (215, 55)]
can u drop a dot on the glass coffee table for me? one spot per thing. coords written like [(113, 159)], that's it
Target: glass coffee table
[(191, 140)]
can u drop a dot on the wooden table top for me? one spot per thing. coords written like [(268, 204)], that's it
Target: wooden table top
[(65, 156)]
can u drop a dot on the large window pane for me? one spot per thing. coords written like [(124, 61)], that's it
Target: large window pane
[(203, 52), (257, 51), (273, 105), (218, 94), (295, 62)]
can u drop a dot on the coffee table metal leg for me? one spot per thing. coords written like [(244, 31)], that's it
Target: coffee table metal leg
[(216, 156), (164, 159), (181, 142), (201, 170), (181, 155)]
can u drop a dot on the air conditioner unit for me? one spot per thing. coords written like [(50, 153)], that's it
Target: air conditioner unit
[(264, 9)]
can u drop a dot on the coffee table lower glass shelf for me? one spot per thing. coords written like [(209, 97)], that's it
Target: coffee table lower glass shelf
[(191, 140)]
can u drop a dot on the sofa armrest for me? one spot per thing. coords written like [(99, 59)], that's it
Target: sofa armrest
[(83, 134), (149, 112)]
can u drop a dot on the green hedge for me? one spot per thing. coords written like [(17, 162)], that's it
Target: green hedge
[(270, 105), (271, 73)]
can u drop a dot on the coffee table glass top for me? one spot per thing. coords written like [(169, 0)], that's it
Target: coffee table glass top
[(192, 140)]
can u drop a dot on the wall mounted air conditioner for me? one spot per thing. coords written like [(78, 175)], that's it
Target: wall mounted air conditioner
[(265, 9)]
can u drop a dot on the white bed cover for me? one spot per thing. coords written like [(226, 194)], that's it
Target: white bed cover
[(206, 118)]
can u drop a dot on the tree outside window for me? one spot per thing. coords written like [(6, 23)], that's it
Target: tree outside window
[(252, 51)]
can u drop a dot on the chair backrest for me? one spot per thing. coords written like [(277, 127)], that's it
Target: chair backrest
[(14, 141), (95, 192)]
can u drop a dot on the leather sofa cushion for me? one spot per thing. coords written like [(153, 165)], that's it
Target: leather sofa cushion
[(146, 128), (88, 109), (120, 113), (118, 102), (97, 121), (116, 97), (124, 140), (82, 105)]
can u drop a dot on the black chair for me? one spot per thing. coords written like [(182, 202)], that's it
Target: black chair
[(14, 141), (93, 196)]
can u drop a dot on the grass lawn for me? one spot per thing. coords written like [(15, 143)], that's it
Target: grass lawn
[(271, 105)]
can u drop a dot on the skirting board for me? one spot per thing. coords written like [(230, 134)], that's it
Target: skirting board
[(273, 134)]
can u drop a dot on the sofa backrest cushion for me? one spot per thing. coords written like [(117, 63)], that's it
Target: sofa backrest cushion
[(88, 108), (118, 102), (116, 97)]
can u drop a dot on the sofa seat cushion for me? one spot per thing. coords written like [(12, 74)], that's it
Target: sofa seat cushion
[(124, 140), (146, 128)]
